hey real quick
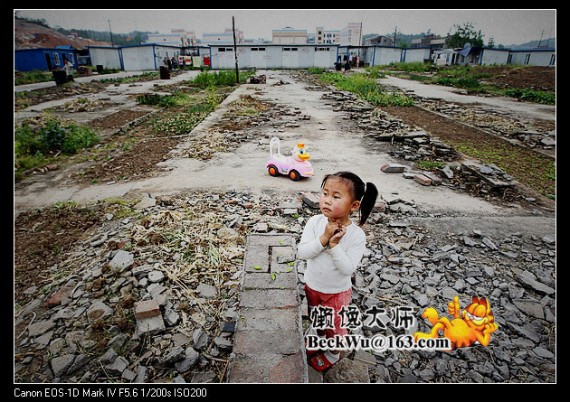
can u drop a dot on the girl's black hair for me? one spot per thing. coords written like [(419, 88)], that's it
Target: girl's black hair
[(365, 193)]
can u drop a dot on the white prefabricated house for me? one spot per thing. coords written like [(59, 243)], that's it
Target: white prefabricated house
[(273, 56), (382, 55), (545, 57), (416, 54), (147, 56), (490, 56), (108, 57)]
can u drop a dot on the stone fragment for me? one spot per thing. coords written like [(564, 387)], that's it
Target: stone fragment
[(99, 310), (122, 260), (311, 199), (530, 307), (175, 355), (347, 371), (40, 328), (61, 364), (155, 276), (200, 338), (422, 179), (392, 168), (207, 291), (118, 366), (151, 326)]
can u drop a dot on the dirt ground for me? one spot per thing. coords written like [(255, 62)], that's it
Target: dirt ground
[(533, 77), (117, 119), (42, 237)]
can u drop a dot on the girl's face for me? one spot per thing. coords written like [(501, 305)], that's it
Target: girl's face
[(336, 201)]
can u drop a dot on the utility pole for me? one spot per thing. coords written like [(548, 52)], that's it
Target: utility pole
[(111, 33), (359, 42), (235, 50), (395, 32)]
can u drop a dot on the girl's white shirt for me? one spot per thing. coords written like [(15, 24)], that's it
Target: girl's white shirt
[(329, 270)]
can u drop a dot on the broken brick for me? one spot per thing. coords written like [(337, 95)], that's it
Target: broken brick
[(422, 179), (147, 309)]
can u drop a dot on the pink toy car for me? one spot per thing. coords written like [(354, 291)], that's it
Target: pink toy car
[(295, 166)]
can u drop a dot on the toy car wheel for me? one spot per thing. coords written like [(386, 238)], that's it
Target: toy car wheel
[(272, 169), (294, 175)]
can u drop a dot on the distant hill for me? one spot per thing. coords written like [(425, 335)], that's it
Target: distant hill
[(30, 35), (532, 44), (37, 33)]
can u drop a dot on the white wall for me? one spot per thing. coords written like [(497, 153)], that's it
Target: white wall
[(223, 60), (386, 56), (536, 58), (139, 59), (274, 57), (415, 55), (494, 56), (108, 58)]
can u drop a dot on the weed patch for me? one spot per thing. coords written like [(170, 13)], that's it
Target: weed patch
[(366, 88)]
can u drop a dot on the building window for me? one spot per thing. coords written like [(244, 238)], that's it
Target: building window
[(527, 58), (294, 49), (222, 49), (70, 55), (56, 58), (262, 49), (552, 60), (254, 49)]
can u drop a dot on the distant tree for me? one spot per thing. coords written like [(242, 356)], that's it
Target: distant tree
[(491, 43), (41, 22), (465, 34)]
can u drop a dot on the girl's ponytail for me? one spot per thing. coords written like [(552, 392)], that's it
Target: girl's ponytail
[(367, 202)]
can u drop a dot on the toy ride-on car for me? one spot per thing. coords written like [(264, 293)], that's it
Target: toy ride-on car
[(295, 166)]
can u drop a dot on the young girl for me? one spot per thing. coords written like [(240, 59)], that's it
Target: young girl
[(333, 247)]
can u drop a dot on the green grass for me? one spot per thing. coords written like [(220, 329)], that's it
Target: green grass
[(366, 88), (415, 67), (30, 77), (316, 70), (468, 78), (147, 75), (429, 165), (220, 78), (531, 95), (36, 146), (375, 72)]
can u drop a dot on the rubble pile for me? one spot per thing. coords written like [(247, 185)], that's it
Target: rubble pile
[(147, 298), (260, 79), (527, 133), (406, 264), (246, 120), (82, 105)]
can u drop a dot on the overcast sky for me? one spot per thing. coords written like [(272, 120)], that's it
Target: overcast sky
[(505, 26)]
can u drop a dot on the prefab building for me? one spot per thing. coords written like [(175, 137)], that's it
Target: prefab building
[(147, 57), (273, 56), (417, 54), (491, 56), (382, 55), (533, 57), (44, 59), (108, 57)]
